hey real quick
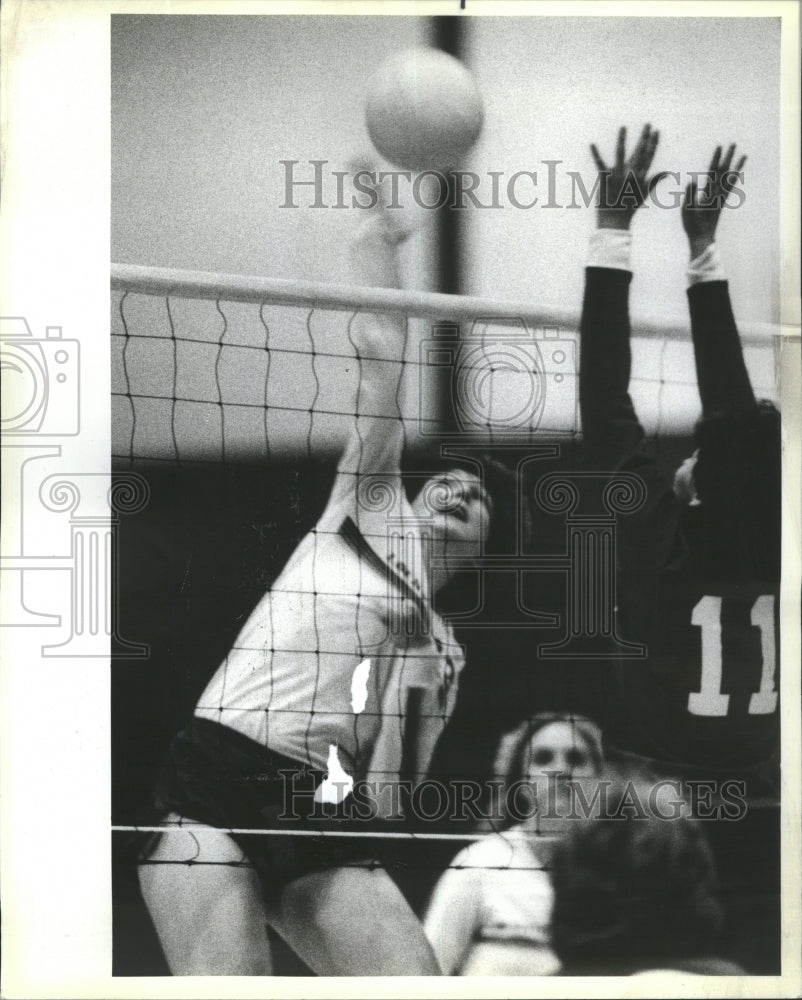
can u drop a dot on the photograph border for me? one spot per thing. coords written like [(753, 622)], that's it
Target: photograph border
[(55, 173)]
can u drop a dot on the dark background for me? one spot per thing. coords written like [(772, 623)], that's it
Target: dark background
[(191, 567)]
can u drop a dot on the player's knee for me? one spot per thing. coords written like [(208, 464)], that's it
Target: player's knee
[(206, 904), (210, 918), (304, 899)]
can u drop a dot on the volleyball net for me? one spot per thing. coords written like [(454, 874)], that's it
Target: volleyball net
[(215, 368), (225, 369)]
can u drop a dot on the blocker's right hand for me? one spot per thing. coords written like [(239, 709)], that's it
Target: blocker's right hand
[(623, 187)]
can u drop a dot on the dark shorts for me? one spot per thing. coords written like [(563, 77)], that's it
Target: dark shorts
[(219, 777)]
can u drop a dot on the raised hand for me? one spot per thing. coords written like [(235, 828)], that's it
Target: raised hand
[(624, 186), (378, 233), (375, 244), (701, 209)]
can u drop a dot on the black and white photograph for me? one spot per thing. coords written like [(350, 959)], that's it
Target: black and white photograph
[(402, 508)]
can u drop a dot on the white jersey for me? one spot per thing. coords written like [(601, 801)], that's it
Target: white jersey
[(333, 656), (490, 912)]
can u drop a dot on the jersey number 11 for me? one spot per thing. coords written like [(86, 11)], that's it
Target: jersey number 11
[(710, 700)]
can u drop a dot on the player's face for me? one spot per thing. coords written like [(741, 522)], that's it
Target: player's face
[(558, 747), (460, 509), (684, 485), (557, 755)]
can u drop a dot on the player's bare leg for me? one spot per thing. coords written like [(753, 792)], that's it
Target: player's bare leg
[(209, 913), (354, 922)]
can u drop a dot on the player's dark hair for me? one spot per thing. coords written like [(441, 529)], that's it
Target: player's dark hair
[(738, 481), (500, 481), (632, 892)]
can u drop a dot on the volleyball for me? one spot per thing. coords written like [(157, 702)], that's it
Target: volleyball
[(423, 110)]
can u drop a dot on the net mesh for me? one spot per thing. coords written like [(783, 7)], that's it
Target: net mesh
[(227, 380), (220, 380)]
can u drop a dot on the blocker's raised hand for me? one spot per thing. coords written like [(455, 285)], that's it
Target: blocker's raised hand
[(624, 186), (701, 208)]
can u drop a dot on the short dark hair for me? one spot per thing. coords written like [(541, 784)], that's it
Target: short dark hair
[(500, 481), (738, 478), (630, 892)]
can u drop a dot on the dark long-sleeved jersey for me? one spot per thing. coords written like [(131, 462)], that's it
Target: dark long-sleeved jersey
[(706, 694)]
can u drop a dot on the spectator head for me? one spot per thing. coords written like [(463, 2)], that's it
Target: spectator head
[(632, 891), (546, 753)]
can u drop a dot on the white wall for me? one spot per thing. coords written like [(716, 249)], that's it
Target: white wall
[(554, 85), (204, 108)]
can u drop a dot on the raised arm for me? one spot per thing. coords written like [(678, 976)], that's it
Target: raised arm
[(720, 369), (610, 425), (379, 339), (376, 440)]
